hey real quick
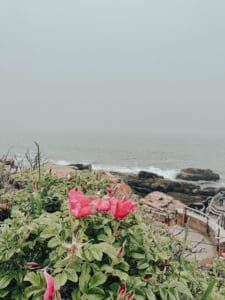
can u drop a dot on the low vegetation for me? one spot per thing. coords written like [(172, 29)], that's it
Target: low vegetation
[(57, 243)]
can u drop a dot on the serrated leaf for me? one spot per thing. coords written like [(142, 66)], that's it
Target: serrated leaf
[(32, 290), (108, 250), (107, 268), (105, 238), (108, 230), (142, 265), (3, 293), (183, 289), (54, 242), (5, 280), (124, 266), (163, 293), (96, 291), (60, 280), (120, 274), (138, 255), (75, 295), (149, 293), (33, 278), (97, 253), (97, 279), (71, 275), (84, 277), (173, 294), (88, 255)]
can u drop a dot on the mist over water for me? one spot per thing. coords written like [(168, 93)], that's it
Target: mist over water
[(162, 155)]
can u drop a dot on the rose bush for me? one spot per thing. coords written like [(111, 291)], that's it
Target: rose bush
[(92, 246)]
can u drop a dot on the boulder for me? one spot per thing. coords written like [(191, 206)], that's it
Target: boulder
[(148, 175), (121, 189), (161, 201), (145, 186), (193, 174), (186, 198), (186, 192), (81, 166)]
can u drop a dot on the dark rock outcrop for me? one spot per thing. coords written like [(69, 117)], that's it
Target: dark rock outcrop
[(81, 166), (146, 186), (186, 192), (193, 174), (148, 175)]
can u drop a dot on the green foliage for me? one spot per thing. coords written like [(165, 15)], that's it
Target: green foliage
[(91, 257)]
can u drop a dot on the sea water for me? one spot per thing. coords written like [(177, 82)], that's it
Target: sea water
[(127, 153)]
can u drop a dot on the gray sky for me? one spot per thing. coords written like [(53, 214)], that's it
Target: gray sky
[(156, 67)]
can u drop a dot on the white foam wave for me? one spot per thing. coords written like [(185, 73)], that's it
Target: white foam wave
[(63, 162), (115, 168), (166, 173)]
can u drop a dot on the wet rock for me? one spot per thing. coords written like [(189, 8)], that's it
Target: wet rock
[(187, 198), (146, 186), (81, 166), (193, 174), (148, 175)]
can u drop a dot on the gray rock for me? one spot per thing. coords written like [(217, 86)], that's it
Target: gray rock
[(81, 166), (148, 175), (193, 174)]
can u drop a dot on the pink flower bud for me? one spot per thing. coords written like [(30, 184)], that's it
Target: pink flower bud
[(109, 190), (50, 289), (33, 265), (129, 295), (122, 290)]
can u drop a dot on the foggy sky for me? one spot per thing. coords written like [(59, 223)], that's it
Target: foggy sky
[(155, 67)]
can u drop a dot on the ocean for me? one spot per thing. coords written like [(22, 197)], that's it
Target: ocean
[(165, 156)]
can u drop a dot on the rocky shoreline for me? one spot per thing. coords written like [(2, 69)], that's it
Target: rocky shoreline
[(145, 184), (157, 191)]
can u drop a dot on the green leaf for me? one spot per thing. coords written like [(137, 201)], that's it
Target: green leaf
[(124, 266), (183, 289), (89, 255), (96, 252), (76, 295), (34, 279), (142, 265), (107, 268), (97, 279), (54, 242), (173, 294), (163, 293), (108, 230), (96, 291), (149, 293), (5, 281), (71, 275), (120, 274), (32, 290), (84, 277), (209, 290), (46, 234), (138, 255), (3, 293), (60, 280), (108, 250)]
